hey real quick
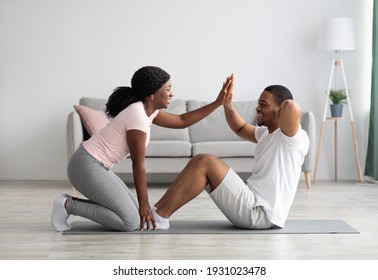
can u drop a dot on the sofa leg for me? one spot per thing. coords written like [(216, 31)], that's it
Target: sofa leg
[(308, 180)]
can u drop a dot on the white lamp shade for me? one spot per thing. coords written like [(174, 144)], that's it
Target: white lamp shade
[(337, 34)]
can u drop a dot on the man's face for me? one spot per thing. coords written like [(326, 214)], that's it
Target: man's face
[(268, 111)]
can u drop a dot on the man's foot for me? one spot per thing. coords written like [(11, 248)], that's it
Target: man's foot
[(59, 214), (161, 223)]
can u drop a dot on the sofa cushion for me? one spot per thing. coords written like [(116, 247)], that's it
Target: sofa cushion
[(225, 148), (215, 127), (168, 148), (93, 120), (163, 133), (94, 103)]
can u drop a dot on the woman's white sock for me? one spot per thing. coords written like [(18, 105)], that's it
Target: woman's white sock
[(59, 214)]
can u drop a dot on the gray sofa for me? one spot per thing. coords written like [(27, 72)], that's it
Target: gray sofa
[(170, 150)]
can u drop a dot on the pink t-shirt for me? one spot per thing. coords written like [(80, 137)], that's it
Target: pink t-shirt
[(109, 145)]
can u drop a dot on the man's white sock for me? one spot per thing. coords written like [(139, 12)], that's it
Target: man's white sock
[(161, 223)]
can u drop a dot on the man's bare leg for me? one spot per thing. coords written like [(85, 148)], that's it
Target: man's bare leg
[(202, 170)]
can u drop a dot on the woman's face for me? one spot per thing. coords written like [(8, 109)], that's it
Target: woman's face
[(163, 96)]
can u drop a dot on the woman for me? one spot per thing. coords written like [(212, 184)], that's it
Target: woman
[(132, 110)]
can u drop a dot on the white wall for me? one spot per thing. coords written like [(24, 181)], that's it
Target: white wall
[(54, 52)]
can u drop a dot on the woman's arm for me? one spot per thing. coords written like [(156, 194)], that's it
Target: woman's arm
[(136, 141), (187, 119)]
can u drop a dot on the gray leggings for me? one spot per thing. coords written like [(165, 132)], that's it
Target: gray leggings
[(109, 203)]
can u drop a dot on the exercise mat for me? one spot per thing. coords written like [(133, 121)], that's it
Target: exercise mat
[(294, 226)]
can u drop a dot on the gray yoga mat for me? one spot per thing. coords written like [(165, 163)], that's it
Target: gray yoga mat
[(302, 226)]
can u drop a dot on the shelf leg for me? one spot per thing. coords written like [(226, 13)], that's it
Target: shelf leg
[(318, 153)]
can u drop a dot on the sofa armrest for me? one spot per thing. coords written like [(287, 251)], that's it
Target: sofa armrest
[(74, 133), (308, 124)]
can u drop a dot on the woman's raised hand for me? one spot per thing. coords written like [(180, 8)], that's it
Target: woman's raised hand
[(224, 93), (229, 91)]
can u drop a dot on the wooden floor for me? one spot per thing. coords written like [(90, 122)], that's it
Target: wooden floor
[(26, 232)]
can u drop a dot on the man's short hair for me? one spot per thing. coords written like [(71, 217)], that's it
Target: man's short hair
[(280, 93)]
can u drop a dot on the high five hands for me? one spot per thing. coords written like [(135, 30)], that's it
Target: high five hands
[(225, 94), (228, 86)]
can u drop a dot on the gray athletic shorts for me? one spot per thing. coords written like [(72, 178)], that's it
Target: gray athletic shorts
[(239, 204)]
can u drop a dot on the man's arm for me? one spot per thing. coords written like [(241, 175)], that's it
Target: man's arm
[(234, 120), (290, 117)]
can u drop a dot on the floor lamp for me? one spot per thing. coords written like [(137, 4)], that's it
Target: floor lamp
[(337, 35)]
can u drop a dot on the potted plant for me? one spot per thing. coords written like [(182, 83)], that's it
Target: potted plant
[(338, 98)]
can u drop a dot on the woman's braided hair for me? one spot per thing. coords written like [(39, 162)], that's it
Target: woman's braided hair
[(146, 81)]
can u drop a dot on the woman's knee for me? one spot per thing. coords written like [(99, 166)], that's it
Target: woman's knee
[(130, 219), (130, 225)]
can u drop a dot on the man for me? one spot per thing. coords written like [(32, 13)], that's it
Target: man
[(265, 200)]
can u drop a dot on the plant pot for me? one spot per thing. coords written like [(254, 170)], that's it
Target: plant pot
[(336, 110)]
